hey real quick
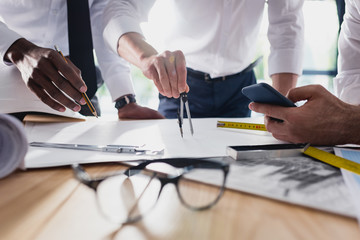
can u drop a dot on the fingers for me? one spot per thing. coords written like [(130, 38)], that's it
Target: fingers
[(155, 77), (52, 74), (54, 80), (181, 71), (270, 110), (50, 94), (305, 92), (44, 97), (172, 75), (164, 78), (70, 72), (279, 130), (168, 71), (274, 126)]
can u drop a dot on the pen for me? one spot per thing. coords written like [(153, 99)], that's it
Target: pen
[(84, 95)]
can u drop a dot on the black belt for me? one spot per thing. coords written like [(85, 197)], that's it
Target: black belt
[(206, 77)]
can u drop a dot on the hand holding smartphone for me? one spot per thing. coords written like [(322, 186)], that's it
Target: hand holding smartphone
[(264, 93)]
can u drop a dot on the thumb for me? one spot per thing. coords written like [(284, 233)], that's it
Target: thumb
[(304, 93)]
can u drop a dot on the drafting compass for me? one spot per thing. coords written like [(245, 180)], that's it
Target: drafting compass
[(184, 101)]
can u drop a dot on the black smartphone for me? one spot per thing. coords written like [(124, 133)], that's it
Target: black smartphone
[(264, 93)]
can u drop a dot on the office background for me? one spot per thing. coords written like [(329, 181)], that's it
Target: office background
[(319, 66)]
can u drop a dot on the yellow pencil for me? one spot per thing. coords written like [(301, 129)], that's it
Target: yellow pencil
[(86, 98)]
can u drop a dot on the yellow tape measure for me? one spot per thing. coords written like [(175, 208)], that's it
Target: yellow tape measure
[(240, 125), (316, 153), (332, 159)]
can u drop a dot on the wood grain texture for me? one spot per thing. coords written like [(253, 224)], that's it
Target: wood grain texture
[(51, 204)]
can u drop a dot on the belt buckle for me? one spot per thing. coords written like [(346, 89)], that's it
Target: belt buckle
[(207, 78)]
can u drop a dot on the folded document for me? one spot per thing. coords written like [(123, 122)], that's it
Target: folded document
[(13, 144)]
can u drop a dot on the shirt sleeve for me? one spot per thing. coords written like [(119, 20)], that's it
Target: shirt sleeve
[(8, 37), (347, 82), (123, 16), (114, 69), (286, 36), (347, 88)]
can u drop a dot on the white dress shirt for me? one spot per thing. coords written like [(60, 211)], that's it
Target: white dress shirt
[(44, 22), (218, 36), (347, 82)]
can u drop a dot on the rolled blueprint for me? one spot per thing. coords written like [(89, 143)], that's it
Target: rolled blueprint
[(13, 144)]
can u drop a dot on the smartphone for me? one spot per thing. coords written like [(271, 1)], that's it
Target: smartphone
[(264, 93)]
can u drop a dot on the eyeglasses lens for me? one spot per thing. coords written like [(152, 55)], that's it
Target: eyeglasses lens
[(125, 199), (198, 194)]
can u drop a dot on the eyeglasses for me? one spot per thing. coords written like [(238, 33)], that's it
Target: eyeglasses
[(124, 197)]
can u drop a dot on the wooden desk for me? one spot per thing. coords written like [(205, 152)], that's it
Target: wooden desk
[(51, 204)]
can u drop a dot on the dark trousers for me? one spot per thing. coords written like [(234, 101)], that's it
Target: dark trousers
[(218, 97)]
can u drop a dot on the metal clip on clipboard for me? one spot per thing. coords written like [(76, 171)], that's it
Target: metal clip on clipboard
[(100, 148)]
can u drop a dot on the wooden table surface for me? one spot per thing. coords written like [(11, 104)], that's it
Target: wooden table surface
[(52, 204)]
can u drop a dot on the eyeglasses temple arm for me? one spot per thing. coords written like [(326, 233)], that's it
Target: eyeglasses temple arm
[(84, 178)]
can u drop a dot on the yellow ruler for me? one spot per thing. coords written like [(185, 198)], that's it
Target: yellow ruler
[(314, 152), (241, 125), (332, 159)]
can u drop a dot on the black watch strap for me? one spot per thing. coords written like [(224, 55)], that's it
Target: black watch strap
[(124, 100)]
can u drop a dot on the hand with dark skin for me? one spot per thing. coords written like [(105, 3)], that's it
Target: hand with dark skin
[(135, 111), (46, 73), (322, 120)]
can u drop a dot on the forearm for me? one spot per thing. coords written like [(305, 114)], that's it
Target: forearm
[(283, 82), (133, 47), (351, 125)]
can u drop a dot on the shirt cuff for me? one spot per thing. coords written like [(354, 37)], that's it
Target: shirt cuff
[(5, 42), (119, 85), (116, 27), (347, 88), (286, 61)]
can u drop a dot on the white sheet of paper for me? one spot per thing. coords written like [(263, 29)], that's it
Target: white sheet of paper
[(207, 141), (16, 97), (298, 180)]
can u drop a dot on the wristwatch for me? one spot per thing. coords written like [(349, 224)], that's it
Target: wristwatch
[(124, 100)]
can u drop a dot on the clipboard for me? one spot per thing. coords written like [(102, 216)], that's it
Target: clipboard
[(51, 118)]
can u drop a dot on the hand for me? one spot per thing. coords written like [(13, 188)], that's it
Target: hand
[(323, 119), (134, 111), (168, 71), (46, 73)]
